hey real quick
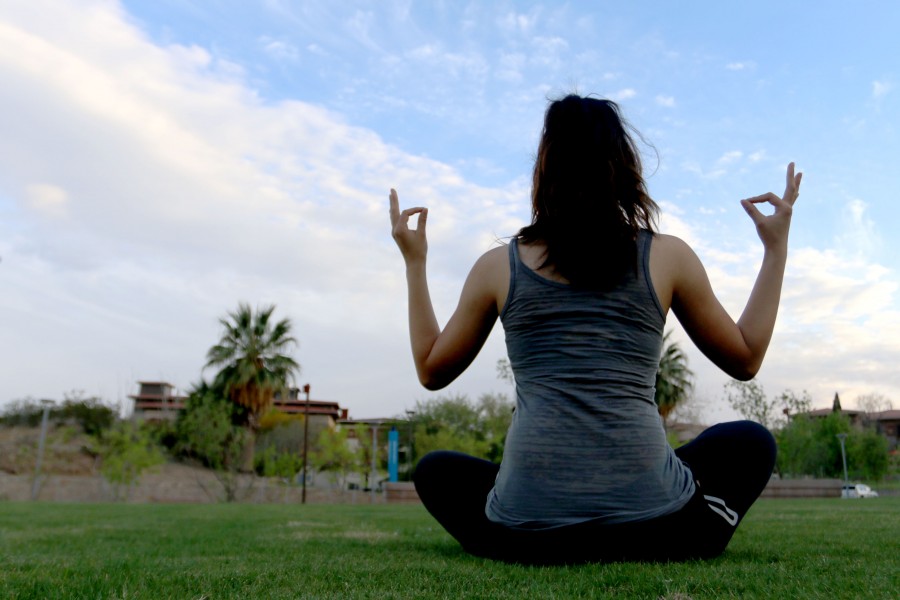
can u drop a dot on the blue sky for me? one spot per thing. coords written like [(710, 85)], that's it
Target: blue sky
[(161, 161)]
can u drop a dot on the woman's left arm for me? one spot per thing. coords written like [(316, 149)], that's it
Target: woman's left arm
[(441, 356)]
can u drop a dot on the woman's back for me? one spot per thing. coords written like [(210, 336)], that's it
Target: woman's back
[(586, 445), (586, 440)]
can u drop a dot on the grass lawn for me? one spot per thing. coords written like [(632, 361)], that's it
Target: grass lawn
[(784, 549)]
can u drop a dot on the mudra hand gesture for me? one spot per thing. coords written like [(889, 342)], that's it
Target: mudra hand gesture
[(412, 242)]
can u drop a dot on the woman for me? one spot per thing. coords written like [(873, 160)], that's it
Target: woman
[(583, 293)]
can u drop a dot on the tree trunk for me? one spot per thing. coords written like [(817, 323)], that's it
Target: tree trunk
[(248, 453)]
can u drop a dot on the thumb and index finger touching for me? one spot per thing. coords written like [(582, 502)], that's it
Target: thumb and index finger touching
[(791, 193), (401, 218)]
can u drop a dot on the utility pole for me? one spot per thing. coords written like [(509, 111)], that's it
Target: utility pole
[(305, 441), (35, 486), (409, 444), (374, 459), (842, 437)]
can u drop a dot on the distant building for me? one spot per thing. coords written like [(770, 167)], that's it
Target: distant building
[(854, 416), (321, 412), (158, 400), (886, 422)]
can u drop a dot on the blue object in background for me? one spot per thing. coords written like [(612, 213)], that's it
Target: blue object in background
[(393, 453)]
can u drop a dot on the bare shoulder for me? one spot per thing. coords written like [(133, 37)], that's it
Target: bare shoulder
[(667, 244), (498, 255), (673, 254), (670, 257), (490, 274)]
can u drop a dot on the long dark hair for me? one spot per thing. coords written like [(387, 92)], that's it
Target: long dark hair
[(588, 197)]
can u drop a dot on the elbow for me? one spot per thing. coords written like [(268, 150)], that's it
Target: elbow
[(744, 372), (745, 375), (432, 385), (432, 381)]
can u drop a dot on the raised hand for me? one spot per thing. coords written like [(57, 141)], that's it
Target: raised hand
[(412, 242), (773, 229)]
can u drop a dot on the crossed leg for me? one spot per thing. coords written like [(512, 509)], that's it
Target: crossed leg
[(731, 462)]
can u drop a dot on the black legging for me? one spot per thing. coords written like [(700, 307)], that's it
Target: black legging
[(731, 463)]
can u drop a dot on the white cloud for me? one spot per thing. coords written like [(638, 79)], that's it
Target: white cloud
[(667, 101), (757, 156), (622, 95), (730, 157), (860, 236), (183, 191), (740, 65), (193, 194), (48, 200), (518, 23), (880, 89), (510, 67), (279, 49)]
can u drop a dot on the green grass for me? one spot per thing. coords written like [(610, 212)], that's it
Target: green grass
[(785, 549)]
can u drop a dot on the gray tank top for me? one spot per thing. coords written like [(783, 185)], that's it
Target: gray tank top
[(586, 440)]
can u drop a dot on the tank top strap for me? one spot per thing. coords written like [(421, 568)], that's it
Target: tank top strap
[(513, 268), (645, 239)]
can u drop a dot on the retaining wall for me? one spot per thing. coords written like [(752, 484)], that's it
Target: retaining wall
[(174, 483)]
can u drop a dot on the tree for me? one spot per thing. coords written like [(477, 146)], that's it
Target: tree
[(283, 466), (872, 404), (793, 404), (749, 399), (867, 455), (334, 455), (126, 451), (504, 371), (801, 451), (809, 446), (674, 381), (253, 366), (89, 413), (207, 433), (455, 423)]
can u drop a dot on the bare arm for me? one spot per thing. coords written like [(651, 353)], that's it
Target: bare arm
[(441, 356), (738, 348)]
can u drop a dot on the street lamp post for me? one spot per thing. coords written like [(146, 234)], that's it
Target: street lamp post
[(35, 486), (842, 437), (409, 447), (305, 442), (374, 462)]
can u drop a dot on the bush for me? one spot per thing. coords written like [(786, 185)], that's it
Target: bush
[(127, 450), (810, 446), (207, 433), (90, 414)]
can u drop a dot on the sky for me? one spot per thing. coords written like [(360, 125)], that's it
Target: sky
[(162, 161)]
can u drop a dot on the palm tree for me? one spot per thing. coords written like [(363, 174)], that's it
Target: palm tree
[(253, 366), (674, 381)]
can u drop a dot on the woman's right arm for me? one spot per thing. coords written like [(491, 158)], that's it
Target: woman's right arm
[(738, 348)]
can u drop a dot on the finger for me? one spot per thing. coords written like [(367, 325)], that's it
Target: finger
[(403, 217), (792, 185), (768, 197), (420, 224), (394, 206), (751, 210)]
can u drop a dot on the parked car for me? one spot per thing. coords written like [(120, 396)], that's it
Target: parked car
[(858, 490)]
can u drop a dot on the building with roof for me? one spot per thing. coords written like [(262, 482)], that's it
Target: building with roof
[(158, 400), (886, 422)]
